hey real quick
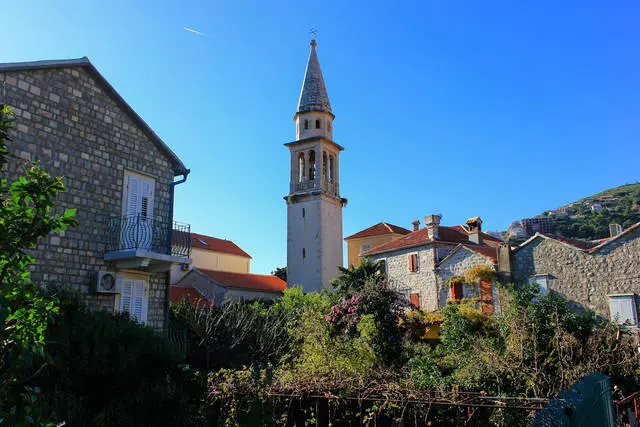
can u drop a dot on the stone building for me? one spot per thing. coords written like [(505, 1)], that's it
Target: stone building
[(602, 276), (119, 175), (220, 270), (420, 263), (314, 205), (382, 232)]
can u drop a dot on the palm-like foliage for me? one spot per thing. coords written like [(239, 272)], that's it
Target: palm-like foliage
[(353, 279)]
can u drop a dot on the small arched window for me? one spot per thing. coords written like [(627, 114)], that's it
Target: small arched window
[(317, 123), (324, 165), (306, 124), (331, 166), (301, 167), (329, 126), (312, 165)]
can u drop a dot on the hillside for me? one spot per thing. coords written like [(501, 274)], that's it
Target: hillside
[(589, 218)]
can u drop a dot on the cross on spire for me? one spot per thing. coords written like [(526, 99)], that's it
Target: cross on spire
[(313, 32)]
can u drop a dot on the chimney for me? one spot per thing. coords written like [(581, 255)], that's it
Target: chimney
[(416, 225), (614, 230), (475, 230), (504, 263), (432, 223)]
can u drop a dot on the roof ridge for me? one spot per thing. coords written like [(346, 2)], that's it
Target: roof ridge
[(179, 167)]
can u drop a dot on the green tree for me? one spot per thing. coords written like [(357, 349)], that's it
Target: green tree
[(280, 272), (354, 278), (26, 215)]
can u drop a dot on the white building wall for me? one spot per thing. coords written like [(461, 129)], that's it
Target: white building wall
[(319, 234), (331, 238)]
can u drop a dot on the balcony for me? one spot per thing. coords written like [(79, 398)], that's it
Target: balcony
[(328, 187), (150, 244)]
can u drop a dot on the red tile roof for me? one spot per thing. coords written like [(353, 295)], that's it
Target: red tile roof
[(200, 241), (379, 229), (454, 235), (256, 282), (195, 298)]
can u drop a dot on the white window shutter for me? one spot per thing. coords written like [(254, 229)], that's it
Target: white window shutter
[(139, 301), (623, 309), (125, 295), (147, 197), (133, 196)]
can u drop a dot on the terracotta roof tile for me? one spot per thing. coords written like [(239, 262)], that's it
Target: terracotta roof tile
[(379, 229), (454, 235), (257, 282), (195, 298), (200, 241)]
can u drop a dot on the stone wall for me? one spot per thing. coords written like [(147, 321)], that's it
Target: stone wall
[(583, 278), (406, 282), (66, 121), (461, 261)]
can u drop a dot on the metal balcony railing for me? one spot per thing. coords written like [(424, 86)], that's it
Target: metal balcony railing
[(327, 186), (150, 234)]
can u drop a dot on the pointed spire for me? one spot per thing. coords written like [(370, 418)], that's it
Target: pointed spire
[(313, 96)]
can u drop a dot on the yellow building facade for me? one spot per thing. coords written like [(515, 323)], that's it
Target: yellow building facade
[(369, 238)]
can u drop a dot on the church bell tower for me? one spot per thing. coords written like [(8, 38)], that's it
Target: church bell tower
[(314, 205)]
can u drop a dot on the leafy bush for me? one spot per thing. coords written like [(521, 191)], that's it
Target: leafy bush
[(26, 214), (236, 334), (416, 323), (105, 370)]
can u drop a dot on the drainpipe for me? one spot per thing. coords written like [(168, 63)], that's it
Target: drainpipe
[(172, 186)]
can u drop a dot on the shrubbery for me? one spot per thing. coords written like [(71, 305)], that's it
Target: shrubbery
[(105, 369)]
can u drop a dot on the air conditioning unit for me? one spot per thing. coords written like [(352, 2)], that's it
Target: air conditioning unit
[(106, 282)]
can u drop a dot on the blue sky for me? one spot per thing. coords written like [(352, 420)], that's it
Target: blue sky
[(498, 109)]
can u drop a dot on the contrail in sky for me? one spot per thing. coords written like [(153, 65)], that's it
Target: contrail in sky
[(191, 30)]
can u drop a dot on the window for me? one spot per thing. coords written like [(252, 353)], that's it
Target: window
[(134, 298), (414, 300), (365, 247), (304, 253), (301, 167), (329, 126), (331, 162), (542, 280), (318, 124), (312, 165), (384, 267), (303, 212), (623, 309), (456, 291), (413, 262), (306, 124), (324, 165)]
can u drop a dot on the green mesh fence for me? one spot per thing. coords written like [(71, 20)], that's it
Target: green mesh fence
[(586, 403)]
